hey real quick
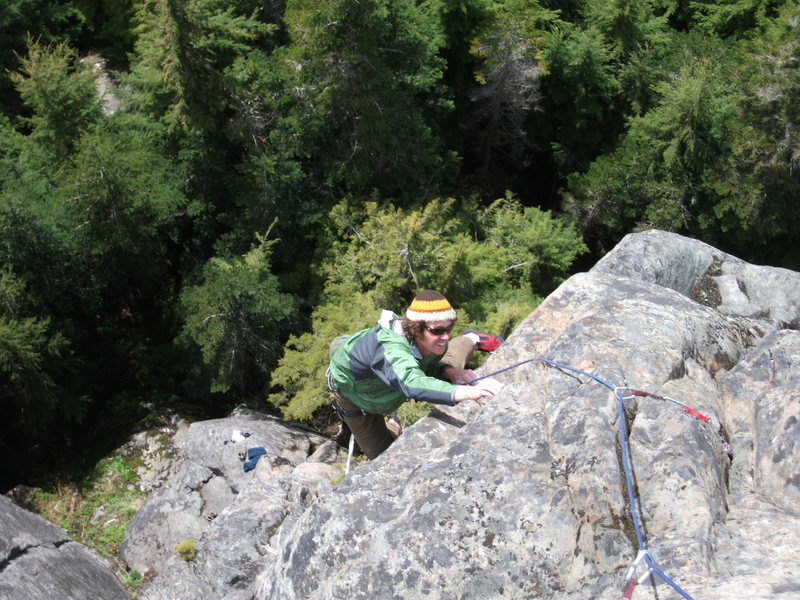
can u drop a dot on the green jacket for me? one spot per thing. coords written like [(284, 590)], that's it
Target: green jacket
[(378, 369)]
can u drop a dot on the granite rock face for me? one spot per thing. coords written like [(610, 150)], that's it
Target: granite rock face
[(526, 496), (227, 513), (38, 561)]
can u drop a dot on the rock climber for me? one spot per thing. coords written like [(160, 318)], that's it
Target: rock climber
[(375, 370)]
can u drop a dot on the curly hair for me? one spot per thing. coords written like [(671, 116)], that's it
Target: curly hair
[(411, 329)]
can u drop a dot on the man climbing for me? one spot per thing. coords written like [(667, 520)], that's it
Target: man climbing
[(377, 369)]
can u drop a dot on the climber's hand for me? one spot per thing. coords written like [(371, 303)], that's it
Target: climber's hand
[(485, 388)]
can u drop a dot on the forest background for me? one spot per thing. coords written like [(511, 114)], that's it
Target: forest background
[(196, 196)]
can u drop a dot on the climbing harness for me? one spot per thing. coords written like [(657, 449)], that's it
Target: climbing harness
[(343, 412), (643, 557)]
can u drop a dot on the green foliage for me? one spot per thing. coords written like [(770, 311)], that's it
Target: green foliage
[(535, 248), (42, 287), (31, 352), (627, 24), (411, 412), (21, 20), (735, 18), (705, 160), (385, 254), (133, 581), (365, 93), (758, 186), (581, 90), (642, 70), (391, 251), (97, 510), (27, 345), (122, 195), (655, 178), (689, 125), (23, 343), (237, 316)]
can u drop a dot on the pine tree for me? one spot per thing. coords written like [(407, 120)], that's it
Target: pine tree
[(61, 93), (365, 81), (237, 317), (181, 53)]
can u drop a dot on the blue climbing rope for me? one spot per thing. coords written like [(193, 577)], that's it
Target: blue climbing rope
[(643, 553)]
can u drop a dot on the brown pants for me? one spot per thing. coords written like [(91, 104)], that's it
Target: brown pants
[(370, 431)]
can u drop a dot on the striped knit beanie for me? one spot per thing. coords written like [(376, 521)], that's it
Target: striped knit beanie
[(430, 306)]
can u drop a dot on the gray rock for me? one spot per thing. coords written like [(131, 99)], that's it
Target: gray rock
[(761, 396), (172, 514), (525, 497), (157, 453), (681, 264), (207, 481), (231, 515), (38, 561)]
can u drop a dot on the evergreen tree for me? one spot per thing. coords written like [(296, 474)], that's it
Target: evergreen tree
[(735, 18), (124, 198), (42, 289), (181, 53), (508, 77), (237, 317), (61, 93), (628, 25), (365, 82), (757, 212), (22, 20), (183, 78), (656, 177), (29, 349), (581, 96)]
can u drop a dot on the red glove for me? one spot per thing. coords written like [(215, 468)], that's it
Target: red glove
[(487, 342)]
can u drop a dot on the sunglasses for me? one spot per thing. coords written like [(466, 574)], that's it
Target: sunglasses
[(439, 330)]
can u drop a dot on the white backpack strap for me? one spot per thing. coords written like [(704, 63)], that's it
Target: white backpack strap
[(390, 320)]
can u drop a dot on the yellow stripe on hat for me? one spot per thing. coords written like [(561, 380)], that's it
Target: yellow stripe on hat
[(429, 306)]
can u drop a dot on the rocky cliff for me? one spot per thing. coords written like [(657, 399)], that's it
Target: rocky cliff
[(651, 404), (38, 561), (526, 497)]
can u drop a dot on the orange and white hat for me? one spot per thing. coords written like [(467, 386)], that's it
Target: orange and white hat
[(430, 306)]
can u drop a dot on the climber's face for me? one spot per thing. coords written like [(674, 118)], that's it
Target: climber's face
[(434, 337)]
